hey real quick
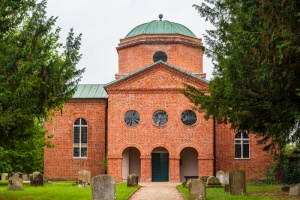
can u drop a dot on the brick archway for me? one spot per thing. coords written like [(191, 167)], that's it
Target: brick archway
[(160, 165), (188, 163), (131, 162)]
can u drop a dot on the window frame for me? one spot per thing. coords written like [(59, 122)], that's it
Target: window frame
[(243, 141), (80, 145), (136, 120), (157, 116), (188, 112)]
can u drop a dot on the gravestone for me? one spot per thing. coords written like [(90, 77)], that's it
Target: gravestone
[(25, 177), (84, 179), (237, 182), (4, 176), (204, 178), (295, 190), (15, 182), (197, 190), (36, 179), (46, 179), (226, 180), (186, 183), (221, 176), (132, 180), (212, 182), (103, 187)]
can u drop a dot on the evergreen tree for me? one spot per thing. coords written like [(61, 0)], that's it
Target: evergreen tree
[(37, 73), (255, 47)]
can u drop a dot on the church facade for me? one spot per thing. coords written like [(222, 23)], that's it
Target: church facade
[(142, 124)]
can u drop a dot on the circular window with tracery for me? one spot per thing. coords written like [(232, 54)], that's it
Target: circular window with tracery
[(132, 118), (160, 118), (188, 117)]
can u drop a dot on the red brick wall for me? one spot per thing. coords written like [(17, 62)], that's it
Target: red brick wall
[(146, 136), (58, 161), (255, 167), (182, 52)]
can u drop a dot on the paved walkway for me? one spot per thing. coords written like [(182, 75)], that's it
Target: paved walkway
[(157, 191)]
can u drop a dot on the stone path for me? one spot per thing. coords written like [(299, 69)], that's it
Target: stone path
[(157, 191)]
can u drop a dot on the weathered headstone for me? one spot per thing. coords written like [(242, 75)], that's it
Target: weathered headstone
[(221, 176), (204, 178), (226, 180), (103, 187), (186, 183), (4, 176), (25, 177), (36, 179), (84, 179), (237, 182), (295, 190), (15, 182), (197, 190), (212, 182), (132, 180), (46, 179)]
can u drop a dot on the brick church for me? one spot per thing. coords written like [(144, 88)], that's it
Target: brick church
[(142, 124)]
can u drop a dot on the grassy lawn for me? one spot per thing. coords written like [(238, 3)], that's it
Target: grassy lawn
[(268, 192), (59, 190)]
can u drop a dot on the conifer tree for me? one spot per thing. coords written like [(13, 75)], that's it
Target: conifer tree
[(37, 73), (255, 47)]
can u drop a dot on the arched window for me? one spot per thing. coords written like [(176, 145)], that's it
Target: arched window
[(241, 146), (80, 138)]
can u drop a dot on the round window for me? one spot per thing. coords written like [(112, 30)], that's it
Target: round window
[(131, 118), (160, 118), (160, 55), (188, 117)]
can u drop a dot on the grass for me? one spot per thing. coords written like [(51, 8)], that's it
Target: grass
[(266, 192), (65, 190), (58, 190)]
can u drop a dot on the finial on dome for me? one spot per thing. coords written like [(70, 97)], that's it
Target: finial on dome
[(160, 16)]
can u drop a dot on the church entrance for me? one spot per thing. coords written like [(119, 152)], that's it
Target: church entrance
[(160, 165), (188, 163), (131, 162)]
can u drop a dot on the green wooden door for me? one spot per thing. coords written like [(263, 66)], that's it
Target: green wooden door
[(160, 167)]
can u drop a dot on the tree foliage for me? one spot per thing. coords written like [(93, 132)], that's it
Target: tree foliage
[(255, 47), (37, 73)]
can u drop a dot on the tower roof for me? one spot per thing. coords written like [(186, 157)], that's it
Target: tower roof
[(160, 27)]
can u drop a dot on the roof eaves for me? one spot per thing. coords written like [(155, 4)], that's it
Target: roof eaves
[(148, 66)]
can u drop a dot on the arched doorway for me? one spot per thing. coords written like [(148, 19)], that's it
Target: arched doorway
[(131, 162), (160, 164), (188, 163)]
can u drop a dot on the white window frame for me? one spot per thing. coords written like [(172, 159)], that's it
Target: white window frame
[(243, 141), (80, 145)]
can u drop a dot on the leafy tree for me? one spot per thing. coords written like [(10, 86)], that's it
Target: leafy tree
[(37, 73), (255, 47)]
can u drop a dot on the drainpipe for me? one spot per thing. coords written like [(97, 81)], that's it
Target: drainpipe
[(106, 133), (214, 145)]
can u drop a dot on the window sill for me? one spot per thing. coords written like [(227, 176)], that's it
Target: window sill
[(85, 158)]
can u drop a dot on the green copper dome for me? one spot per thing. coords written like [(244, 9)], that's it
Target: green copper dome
[(160, 27)]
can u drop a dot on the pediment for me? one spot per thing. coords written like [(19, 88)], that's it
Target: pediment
[(157, 77)]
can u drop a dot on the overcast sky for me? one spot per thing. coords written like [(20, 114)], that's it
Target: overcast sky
[(104, 22)]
